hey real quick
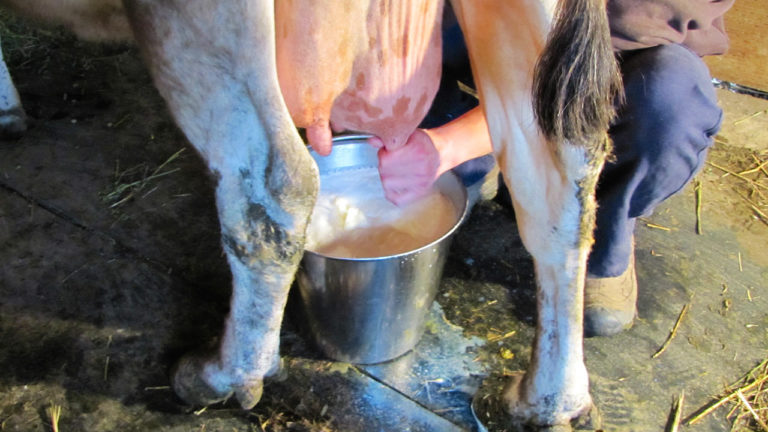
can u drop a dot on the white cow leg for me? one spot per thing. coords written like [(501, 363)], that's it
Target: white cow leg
[(555, 388), (550, 191), (263, 241), (551, 183), (13, 120), (214, 63)]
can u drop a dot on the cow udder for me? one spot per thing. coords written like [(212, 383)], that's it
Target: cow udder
[(373, 68)]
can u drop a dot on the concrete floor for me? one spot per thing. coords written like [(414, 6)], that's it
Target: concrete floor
[(96, 301)]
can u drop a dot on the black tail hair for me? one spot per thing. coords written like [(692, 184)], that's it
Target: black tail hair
[(577, 80)]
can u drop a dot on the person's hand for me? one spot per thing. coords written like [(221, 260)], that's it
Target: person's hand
[(408, 172)]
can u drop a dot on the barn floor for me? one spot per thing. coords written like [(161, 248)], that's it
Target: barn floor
[(111, 268)]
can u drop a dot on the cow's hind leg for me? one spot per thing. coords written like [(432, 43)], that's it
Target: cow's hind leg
[(13, 121), (551, 179), (214, 63)]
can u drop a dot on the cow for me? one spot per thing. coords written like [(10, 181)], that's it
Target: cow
[(239, 76)]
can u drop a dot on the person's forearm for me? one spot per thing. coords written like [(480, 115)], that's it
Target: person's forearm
[(462, 139)]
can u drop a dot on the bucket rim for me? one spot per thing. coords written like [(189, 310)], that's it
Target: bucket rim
[(361, 138)]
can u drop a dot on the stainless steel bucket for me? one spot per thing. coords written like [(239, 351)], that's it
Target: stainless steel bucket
[(370, 310)]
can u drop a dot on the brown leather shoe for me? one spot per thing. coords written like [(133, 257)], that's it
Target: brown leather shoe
[(610, 304)]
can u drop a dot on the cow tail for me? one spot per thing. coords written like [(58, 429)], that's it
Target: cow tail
[(577, 80)]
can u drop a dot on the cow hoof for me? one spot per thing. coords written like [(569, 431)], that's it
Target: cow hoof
[(590, 421), (278, 373), (13, 124), (188, 382), (488, 408), (249, 396), (574, 414), (497, 406)]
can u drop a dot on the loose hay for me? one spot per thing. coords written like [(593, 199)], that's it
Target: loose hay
[(744, 174), (698, 190), (749, 117), (278, 416), (677, 411), (673, 332), (54, 413), (127, 184), (748, 398)]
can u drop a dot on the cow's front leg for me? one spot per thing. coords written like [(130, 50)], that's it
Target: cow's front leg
[(214, 63), (13, 120)]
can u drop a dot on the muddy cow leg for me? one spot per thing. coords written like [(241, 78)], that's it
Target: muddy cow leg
[(551, 183), (214, 63), (13, 121)]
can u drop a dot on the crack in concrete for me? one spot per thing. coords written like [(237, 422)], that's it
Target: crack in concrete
[(119, 246)]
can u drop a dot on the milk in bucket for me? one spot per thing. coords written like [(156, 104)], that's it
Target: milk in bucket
[(353, 219)]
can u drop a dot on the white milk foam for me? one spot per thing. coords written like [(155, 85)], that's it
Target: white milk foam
[(353, 219)]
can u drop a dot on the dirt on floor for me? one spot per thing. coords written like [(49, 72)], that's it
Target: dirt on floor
[(112, 267)]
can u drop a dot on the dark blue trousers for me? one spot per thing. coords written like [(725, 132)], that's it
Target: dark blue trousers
[(660, 138)]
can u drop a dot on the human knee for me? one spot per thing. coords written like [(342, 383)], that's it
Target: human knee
[(663, 73), (669, 88), (670, 114)]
